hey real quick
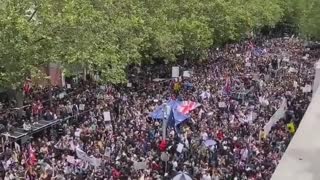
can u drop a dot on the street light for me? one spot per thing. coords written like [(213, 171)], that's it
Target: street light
[(166, 113)]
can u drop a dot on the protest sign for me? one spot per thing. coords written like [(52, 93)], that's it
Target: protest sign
[(286, 59), (107, 151), (292, 70), (129, 84), (307, 88), (68, 86), (186, 74), (78, 132), (140, 165), (255, 76), (175, 72), (222, 105), (107, 116), (17, 147), (61, 95), (280, 113), (81, 107), (91, 160), (70, 159), (179, 147)]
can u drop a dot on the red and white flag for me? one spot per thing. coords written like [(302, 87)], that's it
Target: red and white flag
[(227, 86), (187, 106), (32, 159)]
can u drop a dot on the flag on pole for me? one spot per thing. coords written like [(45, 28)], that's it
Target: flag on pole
[(32, 159), (178, 111), (227, 86)]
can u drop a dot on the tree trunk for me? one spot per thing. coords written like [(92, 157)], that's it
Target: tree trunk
[(18, 94), (50, 95)]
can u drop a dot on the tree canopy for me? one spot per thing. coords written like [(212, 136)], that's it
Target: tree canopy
[(109, 35), (309, 18)]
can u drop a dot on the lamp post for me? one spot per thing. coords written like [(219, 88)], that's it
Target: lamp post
[(166, 112)]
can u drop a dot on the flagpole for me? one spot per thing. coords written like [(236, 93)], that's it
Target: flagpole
[(164, 121)]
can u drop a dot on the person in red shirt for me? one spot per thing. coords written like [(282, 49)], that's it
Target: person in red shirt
[(163, 145), (116, 173), (220, 135)]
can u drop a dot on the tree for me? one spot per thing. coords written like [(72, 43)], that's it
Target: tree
[(19, 44), (109, 35), (20, 49), (309, 19)]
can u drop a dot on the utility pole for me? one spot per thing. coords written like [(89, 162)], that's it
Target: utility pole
[(166, 112)]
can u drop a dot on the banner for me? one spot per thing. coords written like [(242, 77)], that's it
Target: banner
[(175, 72), (106, 116), (140, 165), (91, 160), (186, 74), (280, 113), (81, 107)]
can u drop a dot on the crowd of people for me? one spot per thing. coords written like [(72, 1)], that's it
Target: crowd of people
[(110, 134)]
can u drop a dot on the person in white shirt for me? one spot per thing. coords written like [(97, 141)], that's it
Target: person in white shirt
[(206, 176), (26, 126)]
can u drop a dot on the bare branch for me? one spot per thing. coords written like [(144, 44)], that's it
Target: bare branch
[(33, 14)]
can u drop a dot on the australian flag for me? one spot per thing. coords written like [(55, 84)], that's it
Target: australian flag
[(177, 111)]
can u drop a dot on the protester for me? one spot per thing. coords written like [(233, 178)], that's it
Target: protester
[(231, 132)]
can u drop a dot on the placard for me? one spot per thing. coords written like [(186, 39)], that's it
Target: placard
[(77, 133), (81, 107), (222, 105), (107, 151), (17, 147), (186, 74), (255, 76), (68, 86), (175, 71), (61, 95), (179, 147), (307, 88), (129, 85), (291, 69), (91, 160), (140, 165), (70, 159), (107, 116), (286, 59)]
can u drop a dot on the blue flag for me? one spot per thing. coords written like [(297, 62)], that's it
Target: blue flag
[(177, 113), (158, 113)]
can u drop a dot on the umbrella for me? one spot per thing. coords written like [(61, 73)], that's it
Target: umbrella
[(210, 142), (182, 176)]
